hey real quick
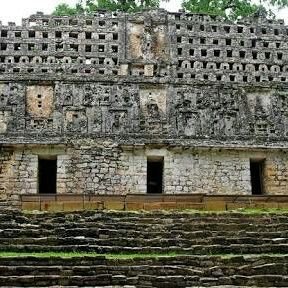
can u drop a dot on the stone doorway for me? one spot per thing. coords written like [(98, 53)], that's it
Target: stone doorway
[(256, 172), (155, 175), (47, 175)]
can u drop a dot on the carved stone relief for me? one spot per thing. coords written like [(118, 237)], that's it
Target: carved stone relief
[(39, 101), (76, 121)]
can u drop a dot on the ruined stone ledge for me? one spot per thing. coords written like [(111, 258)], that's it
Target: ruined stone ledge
[(171, 80), (138, 141)]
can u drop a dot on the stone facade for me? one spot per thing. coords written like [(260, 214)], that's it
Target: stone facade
[(104, 93)]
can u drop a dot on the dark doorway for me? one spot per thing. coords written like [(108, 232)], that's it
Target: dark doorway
[(47, 175), (155, 176), (256, 171)]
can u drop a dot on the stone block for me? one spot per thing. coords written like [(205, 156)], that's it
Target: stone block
[(266, 205), (215, 205), (69, 197), (154, 206), (134, 206), (30, 206), (237, 205), (30, 198), (93, 205), (190, 205), (114, 205), (73, 206), (283, 205), (51, 206)]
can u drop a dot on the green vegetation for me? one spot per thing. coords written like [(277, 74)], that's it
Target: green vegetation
[(87, 254), (261, 211), (235, 9), (244, 211), (231, 9), (124, 256), (64, 9), (90, 6)]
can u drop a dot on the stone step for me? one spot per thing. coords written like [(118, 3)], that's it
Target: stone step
[(165, 222), (104, 233), (142, 242), (196, 249), (274, 227), (100, 269), (144, 280), (154, 218), (157, 270), (148, 216), (165, 219), (239, 262)]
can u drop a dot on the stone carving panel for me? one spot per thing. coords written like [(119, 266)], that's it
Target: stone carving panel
[(187, 116), (76, 121), (39, 101), (12, 107), (135, 39), (127, 108), (119, 119), (153, 107), (147, 41), (228, 113)]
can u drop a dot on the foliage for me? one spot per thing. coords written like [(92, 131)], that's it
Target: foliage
[(234, 9), (90, 6), (64, 9), (261, 211)]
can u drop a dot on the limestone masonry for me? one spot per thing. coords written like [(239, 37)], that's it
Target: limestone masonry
[(153, 102)]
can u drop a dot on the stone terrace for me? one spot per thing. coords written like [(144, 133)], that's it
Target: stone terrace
[(195, 246)]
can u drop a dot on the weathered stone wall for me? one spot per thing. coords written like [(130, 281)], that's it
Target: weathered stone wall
[(154, 73), (191, 47), (42, 113), (104, 92), (106, 168)]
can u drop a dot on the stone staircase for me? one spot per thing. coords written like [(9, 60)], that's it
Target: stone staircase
[(118, 232), (198, 244), (181, 271)]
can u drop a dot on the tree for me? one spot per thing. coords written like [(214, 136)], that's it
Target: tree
[(234, 9), (90, 6), (64, 9)]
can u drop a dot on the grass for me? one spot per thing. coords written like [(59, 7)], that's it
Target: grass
[(257, 211), (88, 254), (245, 211), (124, 256)]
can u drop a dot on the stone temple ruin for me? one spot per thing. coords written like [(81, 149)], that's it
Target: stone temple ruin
[(152, 102)]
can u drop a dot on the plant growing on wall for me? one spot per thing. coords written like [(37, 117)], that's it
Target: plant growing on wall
[(235, 9), (90, 6)]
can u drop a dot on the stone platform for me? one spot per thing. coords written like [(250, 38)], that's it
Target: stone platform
[(69, 202)]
